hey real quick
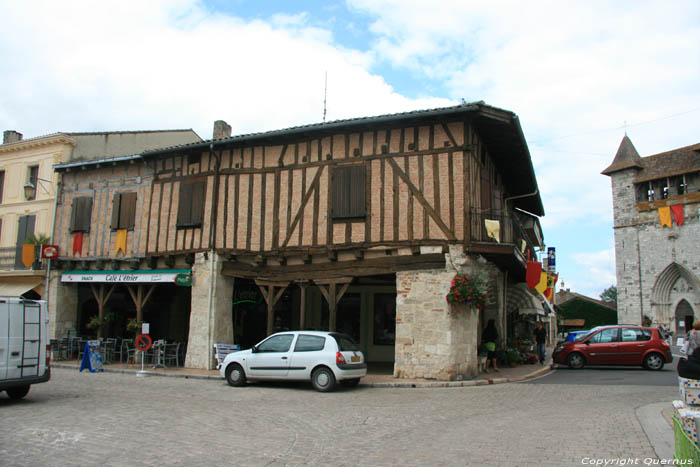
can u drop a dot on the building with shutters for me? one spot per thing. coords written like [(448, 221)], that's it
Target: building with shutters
[(355, 225), (656, 202), (28, 163)]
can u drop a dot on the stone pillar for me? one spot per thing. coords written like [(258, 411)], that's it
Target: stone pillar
[(63, 306), (208, 326), (433, 340)]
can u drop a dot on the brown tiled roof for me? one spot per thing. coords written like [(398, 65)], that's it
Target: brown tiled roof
[(671, 163), (625, 158)]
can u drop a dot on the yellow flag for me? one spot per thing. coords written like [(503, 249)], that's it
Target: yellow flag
[(665, 216), (121, 240), (28, 254), (542, 284), (493, 229)]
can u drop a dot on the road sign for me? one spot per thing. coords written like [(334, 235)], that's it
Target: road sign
[(143, 342)]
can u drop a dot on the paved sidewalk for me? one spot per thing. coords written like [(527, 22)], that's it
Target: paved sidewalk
[(376, 379)]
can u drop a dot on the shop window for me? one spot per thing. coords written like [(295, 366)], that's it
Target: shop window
[(348, 315), (349, 192), (123, 210), (191, 205), (384, 319), (81, 213)]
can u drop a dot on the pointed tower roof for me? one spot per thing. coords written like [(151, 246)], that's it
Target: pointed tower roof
[(627, 157)]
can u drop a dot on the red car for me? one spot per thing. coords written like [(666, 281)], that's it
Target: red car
[(616, 345)]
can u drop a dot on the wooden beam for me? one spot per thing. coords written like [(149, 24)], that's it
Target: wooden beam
[(419, 196), (307, 196)]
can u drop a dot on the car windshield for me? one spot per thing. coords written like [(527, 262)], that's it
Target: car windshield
[(345, 342), (580, 337)]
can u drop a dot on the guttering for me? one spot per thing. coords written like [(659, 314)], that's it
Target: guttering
[(527, 195)]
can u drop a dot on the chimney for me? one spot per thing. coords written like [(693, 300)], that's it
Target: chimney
[(11, 136), (221, 129)]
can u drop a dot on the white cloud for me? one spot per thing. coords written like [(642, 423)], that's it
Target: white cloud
[(600, 272), (117, 65)]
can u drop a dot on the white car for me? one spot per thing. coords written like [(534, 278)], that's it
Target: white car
[(324, 358)]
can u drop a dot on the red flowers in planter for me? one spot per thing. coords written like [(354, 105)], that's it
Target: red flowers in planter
[(468, 289)]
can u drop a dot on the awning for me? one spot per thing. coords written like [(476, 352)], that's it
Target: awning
[(172, 276), (16, 286)]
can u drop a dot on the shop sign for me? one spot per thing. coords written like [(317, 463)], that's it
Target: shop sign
[(183, 280), (135, 277)]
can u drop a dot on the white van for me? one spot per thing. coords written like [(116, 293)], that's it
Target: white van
[(24, 345)]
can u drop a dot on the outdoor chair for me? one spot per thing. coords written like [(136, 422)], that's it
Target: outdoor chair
[(123, 350), (170, 354)]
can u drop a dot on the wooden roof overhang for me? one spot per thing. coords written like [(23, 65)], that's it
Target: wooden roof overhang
[(333, 269), (506, 256)]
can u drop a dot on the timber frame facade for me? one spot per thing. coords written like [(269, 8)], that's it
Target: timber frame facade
[(322, 204)]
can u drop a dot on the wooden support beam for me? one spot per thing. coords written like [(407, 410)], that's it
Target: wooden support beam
[(139, 298), (267, 288), (302, 302), (101, 298), (333, 296)]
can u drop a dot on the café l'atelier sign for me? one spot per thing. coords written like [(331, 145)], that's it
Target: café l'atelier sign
[(177, 276)]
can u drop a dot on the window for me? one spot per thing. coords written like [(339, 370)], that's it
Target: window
[(123, 210), (384, 319), (635, 334), (349, 192), (309, 343), (33, 177), (277, 343), (2, 184), (345, 343), (81, 213), (191, 206), (605, 336)]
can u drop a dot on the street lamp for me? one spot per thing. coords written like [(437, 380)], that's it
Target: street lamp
[(30, 188)]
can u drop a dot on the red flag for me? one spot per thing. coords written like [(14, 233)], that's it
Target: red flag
[(677, 211), (532, 276), (78, 243)]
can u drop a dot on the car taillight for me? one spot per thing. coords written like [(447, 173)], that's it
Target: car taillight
[(339, 359), (48, 355)]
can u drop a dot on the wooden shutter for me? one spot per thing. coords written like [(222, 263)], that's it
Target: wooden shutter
[(197, 211), (184, 205), (25, 227), (349, 192), (2, 183), (356, 190), (116, 201), (81, 213), (127, 211)]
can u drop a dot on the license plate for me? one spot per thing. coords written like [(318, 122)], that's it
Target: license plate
[(355, 358)]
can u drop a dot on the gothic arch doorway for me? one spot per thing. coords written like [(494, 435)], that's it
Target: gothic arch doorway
[(685, 315)]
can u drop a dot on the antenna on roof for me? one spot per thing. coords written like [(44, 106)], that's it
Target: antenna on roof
[(325, 94)]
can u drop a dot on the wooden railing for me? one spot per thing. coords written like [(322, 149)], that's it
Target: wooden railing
[(511, 231)]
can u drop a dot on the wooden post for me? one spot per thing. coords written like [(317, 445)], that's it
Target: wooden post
[(302, 303), (267, 288), (139, 299), (333, 296), (101, 299)]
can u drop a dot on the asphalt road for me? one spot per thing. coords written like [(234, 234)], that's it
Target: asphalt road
[(111, 419), (609, 375)]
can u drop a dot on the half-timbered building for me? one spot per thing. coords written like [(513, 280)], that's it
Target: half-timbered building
[(355, 225)]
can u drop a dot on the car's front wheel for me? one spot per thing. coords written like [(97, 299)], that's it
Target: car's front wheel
[(18, 392), (323, 379), (575, 360), (235, 376), (654, 361)]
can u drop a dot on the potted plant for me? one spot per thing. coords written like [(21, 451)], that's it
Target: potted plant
[(512, 356), (469, 290), (134, 326)]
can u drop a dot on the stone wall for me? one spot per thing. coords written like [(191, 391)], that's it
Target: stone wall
[(63, 307), (208, 328), (433, 341), (643, 251)]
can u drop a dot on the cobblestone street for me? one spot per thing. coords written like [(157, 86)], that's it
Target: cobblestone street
[(119, 420)]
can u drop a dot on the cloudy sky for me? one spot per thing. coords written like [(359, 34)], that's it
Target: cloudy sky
[(578, 74)]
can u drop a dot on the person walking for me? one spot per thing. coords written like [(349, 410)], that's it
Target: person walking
[(489, 338), (539, 337), (693, 338)]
